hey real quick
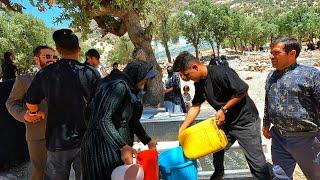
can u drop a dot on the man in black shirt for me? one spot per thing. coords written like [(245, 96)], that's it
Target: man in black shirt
[(66, 86), (236, 112)]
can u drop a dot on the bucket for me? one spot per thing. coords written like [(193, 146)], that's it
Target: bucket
[(126, 172), (148, 160), (174, 165), (202, 139)]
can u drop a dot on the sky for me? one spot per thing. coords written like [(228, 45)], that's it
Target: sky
[(47, 16)]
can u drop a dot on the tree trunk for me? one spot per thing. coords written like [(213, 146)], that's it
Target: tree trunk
[(211, 44), (218, 46), (166, 47), (234, 44), (141, 38), (197, 50), (242, 46), (165, 38)]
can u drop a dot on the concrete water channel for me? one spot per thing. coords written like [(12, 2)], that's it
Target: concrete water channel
[(164, 128)]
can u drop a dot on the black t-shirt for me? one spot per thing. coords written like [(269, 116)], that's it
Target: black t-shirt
[(66, 86), (9, 71), (218, 88)]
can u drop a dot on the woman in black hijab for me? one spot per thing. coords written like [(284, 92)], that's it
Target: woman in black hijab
[(114, 119), (8, 68)]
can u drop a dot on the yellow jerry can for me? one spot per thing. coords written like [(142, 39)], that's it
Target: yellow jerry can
[(202, 139)]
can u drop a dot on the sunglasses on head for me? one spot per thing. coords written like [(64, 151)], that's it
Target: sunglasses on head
[(49, 56)]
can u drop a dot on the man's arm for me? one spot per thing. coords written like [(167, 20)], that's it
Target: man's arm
[(266, 120), (15, 103), (231, 81), (194, 110), (190, 117), (34, 96), (220, 115)]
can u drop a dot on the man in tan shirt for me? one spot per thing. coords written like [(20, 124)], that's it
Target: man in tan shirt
[(35, 129)]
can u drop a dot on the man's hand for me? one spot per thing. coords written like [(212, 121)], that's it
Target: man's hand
[(182, 128), (266, 132), (152, 144), (220, 117), (127, 153), (190, 117), (32, 118)]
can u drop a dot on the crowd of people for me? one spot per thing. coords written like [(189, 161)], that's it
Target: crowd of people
[(75, 118)]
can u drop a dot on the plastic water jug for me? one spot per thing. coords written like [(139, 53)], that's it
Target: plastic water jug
[(148, 160), (127, 172), (174, 165), (202, 139)]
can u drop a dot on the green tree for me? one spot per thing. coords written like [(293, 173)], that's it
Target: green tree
[(165, 26), (20, 34), (237, 22), (117, 17), (253, 32), (218, 24), (190, 22), (306, 23), (268, 18), (301, 22), (205, 14), (121, 51)]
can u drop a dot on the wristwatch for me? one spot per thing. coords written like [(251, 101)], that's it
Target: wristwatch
[(223, 110)]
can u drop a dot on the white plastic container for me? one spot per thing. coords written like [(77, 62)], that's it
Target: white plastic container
[(128, 172)]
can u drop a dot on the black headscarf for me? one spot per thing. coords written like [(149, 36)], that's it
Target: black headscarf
[(137, 70), (133, 73), (8, 68)]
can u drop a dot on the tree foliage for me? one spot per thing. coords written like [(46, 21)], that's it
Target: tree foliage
[(250, 24), (121, 51), (20, 34), (218, 24), (165, 27), (190, 22)]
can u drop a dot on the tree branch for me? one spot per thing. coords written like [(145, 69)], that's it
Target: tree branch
[(111, 25), (9, 6), (107, 10)]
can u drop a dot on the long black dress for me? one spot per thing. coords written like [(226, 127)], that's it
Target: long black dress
[(113, 122)]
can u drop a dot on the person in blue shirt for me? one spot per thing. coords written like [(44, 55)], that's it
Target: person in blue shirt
[(292, 106)]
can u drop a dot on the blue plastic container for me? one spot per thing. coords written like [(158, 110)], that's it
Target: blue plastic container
[(174, 165)]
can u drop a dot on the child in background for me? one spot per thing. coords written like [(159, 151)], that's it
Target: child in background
[(186, 97)]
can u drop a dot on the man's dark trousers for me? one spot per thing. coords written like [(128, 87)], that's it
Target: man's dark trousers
[(249, 138)]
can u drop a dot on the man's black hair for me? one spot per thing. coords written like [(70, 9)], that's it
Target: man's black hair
[(37, 50), (93, 53), (65, 39), (182, 61), (289, 44), (115, 64)]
